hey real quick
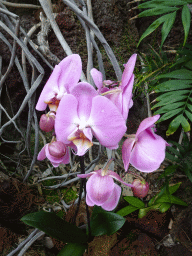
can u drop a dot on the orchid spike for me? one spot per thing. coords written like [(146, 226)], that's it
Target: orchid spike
[(62, 80), (121, 96), (101, 189), (145, 150), (56, 151), (84, 114)]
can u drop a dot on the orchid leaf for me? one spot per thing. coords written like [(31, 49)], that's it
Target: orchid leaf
[(134, 201), (103, 222), (127, 210), (157, 11), (72, 249), (56, 227), (164, 207)]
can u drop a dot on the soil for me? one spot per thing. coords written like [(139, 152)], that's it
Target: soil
[(155, 234)]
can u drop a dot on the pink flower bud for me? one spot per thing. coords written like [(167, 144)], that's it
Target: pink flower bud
[(57, 149), (47, 122), (140, 188)]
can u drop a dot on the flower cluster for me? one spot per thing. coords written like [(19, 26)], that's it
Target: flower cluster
[(78, 112)]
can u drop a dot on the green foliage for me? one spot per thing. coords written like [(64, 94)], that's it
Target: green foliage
[(103, 222), (56, 227), (72, 249), (175, 88), (162, 202), (169, 9), (181, 156)]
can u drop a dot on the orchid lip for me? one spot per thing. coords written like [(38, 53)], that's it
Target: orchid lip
[(118, 90)]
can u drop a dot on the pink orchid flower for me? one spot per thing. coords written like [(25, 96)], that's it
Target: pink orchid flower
[(62, 80), (145, 150), (101, 189), (57, 152), (121, 96), (84, 113)]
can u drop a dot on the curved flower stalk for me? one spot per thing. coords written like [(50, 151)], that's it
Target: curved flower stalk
[(101, 189), (121, 96), (84, 114), (56, 151), (145, 150), (62, 80)]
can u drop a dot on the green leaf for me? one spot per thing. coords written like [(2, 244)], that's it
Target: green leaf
[(105, 223), (152, 27), (167, 25), (187, 171), (164, 207), (73, 249), (170, 199), (134, 201), (189, 106), (189, 64), (143, 212), (127, 210), (174, 125), (186, 20), (168, 171), (169, 107), (171, 94), (179, 74), (157, 11), (185, 124), (189, 115), (170, 114), (152, 3), (172, 85), (54, 226)]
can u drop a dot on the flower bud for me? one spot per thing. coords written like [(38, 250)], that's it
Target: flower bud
[(140, 188), (57, 149), (47, 122)]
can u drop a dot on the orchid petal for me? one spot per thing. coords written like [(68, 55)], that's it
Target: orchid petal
[(127, 95), (87, 175), (82, 145), (106, 122), (148, 152), (88, 133), (84, 93), (116, 98), (66, 118), (99, 188), (66, 157), (41, 156), (126, 151), (128, 71), (113, 200), (97, 78), (114, 175), (88, 201), (146, 123), (66, 74)]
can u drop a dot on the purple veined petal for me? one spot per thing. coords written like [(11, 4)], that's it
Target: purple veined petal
[(66, 120), (113, 200), (148, 152), (99, 188), (114, 175), (84, 93), (88, 201), (106, 122), (126, 151), (146, 123), (71, 68), (97, 78), (128, 71), (41, 156), (127, 97)]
